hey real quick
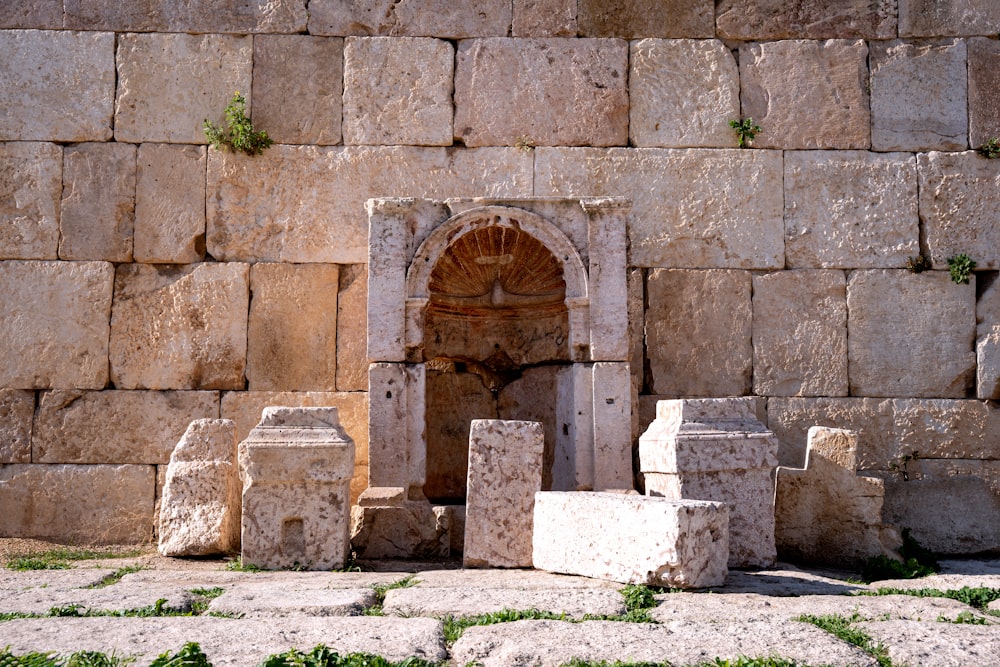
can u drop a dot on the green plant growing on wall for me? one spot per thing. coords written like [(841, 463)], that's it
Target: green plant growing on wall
[(918, 264), (960, 267), (525, 143), (239, 133), (746, 131), (991, 149)]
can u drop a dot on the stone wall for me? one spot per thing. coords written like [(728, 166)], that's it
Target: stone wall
[(147, 280)]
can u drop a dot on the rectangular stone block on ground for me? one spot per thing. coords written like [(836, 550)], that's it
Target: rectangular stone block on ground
[(17, 407), (56, 85), (352, 328), (189, 16), (934, 18), (646, 18), (809, 19), (544, 18), (170, 204), (505, 473), (54, 331), (984, 90), (30, 190), (421, 18), (631, 538)]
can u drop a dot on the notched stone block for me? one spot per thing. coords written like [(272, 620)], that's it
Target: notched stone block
[(98, 202), (170, 204)]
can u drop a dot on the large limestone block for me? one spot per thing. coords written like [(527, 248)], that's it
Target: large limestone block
[(410, 529), (957, 191), (200, 506), (544, 18), (800, 333), (863, 216), (115, 426), (698, 332), (910, 334), (807, 94), (984, 90), (932, 18), (253, 202), (54, 329), (805, 19), (77, 504), (17, 407), (398, 91), (646, 18), (98, 202), (352, 329), (168, 84), (505, 473), (170, 204), (30, 189), (682, 92), (292, 335), (552, 92), (281, 63), (689, 207), (56, 86), (919, 96), (180, 327), (41, 15), (956, 515), (632, 539), (410, 18), (189, 16)]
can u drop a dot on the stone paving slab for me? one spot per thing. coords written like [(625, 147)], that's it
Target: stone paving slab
[(937, 644), (227, 642), (943, 582), (499, 579), (109, 598), (786, 580), (15, 580), (268, 600), (475, 600), (282, 579)]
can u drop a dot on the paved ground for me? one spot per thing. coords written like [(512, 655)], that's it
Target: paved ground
[(269, 612)]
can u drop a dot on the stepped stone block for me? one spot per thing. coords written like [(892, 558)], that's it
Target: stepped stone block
[(98, 202), (352, 328), (30, 189), (646, 18), (170, 204), (933, 18), (608, 536), (984, 90), (17, 408), (56, 85), (191, 16), (808, 19), (544, 18), (434, 18), (200, 506)]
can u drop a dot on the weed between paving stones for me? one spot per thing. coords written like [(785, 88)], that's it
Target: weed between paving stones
[(382, 589), (980, 598), (841, 627), (61, 559)]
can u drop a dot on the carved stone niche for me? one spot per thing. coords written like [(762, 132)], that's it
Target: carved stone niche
[(490, 309)]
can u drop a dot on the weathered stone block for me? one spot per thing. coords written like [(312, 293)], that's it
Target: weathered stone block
[(957, 515), (919, 96), (984, 90), (30, 189), (551, 92), (698, 332), (682, 93), (170, 204), (408, 530), (252, 202), (829, 78), (74, 504), (39, 15), (281, 63), (168, 84), (800, 333), (352, 329), (377, 70), (646, 18), (988, 366), (544, 18), (54, 331), (56, 86), (505, 473), (414, 18), (116, 426), (956, 195), (200, 506), (805, 19), (17, 407), (190, 16), (292, 343), (864, 216), (98, 202), (910, 334), (607, 536), (932, 18), (179, 327), (689, 207)]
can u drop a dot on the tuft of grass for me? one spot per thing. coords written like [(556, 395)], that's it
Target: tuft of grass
[(964, 618), (991, 149), (960, 268), (116, 576), (239, 133), (746, 131), (979, 598), (189, 655), (382, 589), (202, 598), (61, 559), (237, 565), (454, 627), (321, 656), (50, 659), (917, 561), (841, 627)]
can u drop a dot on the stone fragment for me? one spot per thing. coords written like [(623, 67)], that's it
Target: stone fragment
[(30, 189), (457, 602), (192, 16), (806, 19), (887, 358), (956, 515), (200, 507), (646, 18), (505, 473), (59, 502), (168, 84), (352, 328), (180, 327), (280, 64), (98, 202), (544, 18), (426, 18), (292, 330), (252, 202), (864, 216), (54, 331), (115, 426), (984, 90), (38, 15), (296, 465), (17, 407), (549, 92), (170, 204), (689, 207), (56, 85), (956, 194), (919, 94), (829, 78), (410, 529), (698, 333), (933, 18), (682, 93), (607, 536), (800, 333), (377, 70)]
